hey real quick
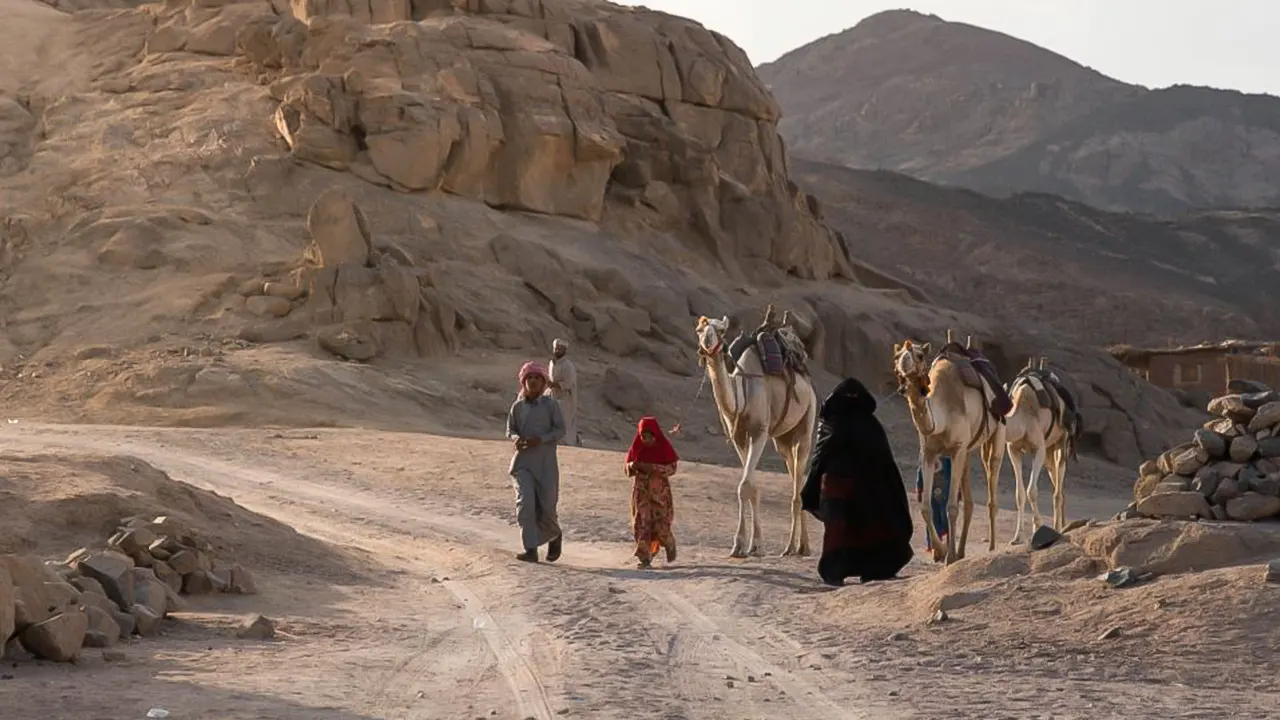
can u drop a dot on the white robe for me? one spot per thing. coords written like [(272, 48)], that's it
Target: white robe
[(565, 374)]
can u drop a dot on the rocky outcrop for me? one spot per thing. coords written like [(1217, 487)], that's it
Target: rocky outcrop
[(1229, 471), (97, 597), (548, 106)]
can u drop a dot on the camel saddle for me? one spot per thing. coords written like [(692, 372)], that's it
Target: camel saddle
[(977, 372), (780, 350), (1051, 393)]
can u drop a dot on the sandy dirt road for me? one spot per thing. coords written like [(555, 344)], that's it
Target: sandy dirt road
[(444, 624)]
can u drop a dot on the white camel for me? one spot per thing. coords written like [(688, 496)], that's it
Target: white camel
[(1041, 431), (951, 419), (753, 408)]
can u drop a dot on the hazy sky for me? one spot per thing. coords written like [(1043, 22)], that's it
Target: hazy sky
[(1157, 43)]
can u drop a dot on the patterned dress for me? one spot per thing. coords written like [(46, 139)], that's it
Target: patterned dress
[(651, 509)]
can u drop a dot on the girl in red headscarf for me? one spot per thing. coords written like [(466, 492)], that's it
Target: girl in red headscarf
[(651, 462)]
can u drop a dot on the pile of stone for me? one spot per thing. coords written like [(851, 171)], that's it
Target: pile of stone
[(98, 596), (1229, 471)]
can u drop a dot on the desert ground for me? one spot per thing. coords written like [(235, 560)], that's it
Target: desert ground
[(399, 598), (268, 268)]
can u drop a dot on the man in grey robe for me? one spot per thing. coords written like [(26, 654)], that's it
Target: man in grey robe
[(536, 426), (564, 388)]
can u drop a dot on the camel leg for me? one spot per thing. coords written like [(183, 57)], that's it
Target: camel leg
[(1019, 493), (746, 492), (793, 451), (993, 462), (966, 507), (1059, 487), (757, 535), (959, 474), (1037, 464), (929, 467)]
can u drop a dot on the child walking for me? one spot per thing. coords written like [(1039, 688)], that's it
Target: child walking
[(651, 462)]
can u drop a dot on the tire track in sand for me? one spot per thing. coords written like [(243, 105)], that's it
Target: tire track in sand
[(810, 702), (528, 691), (531, 696)]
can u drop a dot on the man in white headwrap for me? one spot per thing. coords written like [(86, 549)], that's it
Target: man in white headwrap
[(564, 388)]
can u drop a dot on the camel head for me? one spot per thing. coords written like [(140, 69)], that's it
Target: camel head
[(710, 332), (911, 365)]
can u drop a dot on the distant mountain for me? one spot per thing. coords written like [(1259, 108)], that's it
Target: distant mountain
[(958, 104), (1040, 261)]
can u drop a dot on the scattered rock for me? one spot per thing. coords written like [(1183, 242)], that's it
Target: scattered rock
[(1215, 444), (1253, 506), (1044, 537), (256, 627), (1110, 633), (59, 638), (147, 621), (1175, 504), (268, 305), (1121, 577), (1243, 448), (1273, 572), (1265, 417), (939, 616), (114, 571), (1238, 385), (1073, 525)]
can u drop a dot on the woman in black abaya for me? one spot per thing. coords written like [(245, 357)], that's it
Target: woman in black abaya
[(853, 486)]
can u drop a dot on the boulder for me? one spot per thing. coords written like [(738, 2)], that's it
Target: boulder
[(87, 584), (241, 581), (200, 582), (1175, 504), (1240, 385), (1269, 447), (1205, 482), (59, 638), (268, 305), (149, 592), (167, 575), (1266, 485), (1266, 417), (1243, 448), (1230, 406), (339, 230), (101, 621), (256, 627), (147, 621), (1227, 489), (1258, 399), (184, 561), (132, 541), (1187, 462), (114, 571), (1253, 506), (1215, 444)]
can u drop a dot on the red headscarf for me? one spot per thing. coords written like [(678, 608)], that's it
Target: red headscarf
[(659, 452)]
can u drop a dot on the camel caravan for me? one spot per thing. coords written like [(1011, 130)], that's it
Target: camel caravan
[(763, 391)]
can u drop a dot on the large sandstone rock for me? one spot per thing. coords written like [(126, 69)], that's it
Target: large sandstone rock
[(1253, 506), (364, 303), (1175, 504), (59, 638), (115, 573), (553, 106), (339, 230)]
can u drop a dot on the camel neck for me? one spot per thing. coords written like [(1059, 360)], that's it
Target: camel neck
[(722, 385), (918, 404)]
